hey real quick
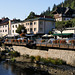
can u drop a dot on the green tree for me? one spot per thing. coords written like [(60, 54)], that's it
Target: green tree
[(60, 26), (73, 22), (31, 15), (54, 7), (20, 28)]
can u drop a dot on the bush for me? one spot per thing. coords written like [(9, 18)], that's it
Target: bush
[(27, 56), (37, 58), (32, 58), (13, 60), (14, 54), (53, 61)]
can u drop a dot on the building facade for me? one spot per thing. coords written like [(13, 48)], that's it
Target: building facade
[(39, 25), (64, 13)]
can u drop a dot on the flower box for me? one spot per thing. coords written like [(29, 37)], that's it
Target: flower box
[(6, 40), (12, 40)]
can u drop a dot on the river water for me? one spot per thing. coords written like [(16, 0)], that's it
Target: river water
[(7, 69)]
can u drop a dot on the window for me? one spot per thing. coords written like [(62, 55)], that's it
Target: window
[(30, 29), (16, 26), (34, 29), (28, 23), (31, 23), (41, 22), (34, 23), (13, 31), (5, 30), (13, 26), (41, 29)]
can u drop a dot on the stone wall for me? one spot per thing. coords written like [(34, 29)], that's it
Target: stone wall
[(67, 55)]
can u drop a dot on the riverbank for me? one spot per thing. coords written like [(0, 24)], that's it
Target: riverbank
[(51, 68)]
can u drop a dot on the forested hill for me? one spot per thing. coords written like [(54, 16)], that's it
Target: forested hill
[(48, 12), (68, 3)]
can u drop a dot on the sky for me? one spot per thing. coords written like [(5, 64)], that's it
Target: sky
[(20, 9)]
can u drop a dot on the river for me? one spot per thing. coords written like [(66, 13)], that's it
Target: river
[(7, 69)]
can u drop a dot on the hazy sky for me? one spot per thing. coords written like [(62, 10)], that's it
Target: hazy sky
[(20, 9)]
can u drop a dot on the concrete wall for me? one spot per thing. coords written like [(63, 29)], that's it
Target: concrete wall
[(67, 55)]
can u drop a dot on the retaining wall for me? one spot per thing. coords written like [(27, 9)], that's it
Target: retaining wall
[(67, 55)]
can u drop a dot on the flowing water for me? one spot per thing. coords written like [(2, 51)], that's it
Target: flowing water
[(7, 69)]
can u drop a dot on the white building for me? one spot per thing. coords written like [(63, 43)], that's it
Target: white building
[(39, 25), (14, 27)]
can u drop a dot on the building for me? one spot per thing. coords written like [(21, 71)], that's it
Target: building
[(63, 13), (40, 25), (14, 25), (4, 26)]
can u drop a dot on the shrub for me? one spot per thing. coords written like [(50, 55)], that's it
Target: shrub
[(27, 56), (13, 60), (32, 58), (37, 58), (14, 54)]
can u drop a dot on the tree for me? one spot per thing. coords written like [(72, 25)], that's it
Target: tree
[(73, 22), (60, 26), (54, 7), (20, 28), (31, 15)]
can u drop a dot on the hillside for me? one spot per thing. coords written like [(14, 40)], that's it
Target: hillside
[(68, 3)]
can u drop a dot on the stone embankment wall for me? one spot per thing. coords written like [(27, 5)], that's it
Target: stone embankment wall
[(66, 55)]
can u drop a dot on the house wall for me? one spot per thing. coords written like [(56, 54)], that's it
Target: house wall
[(41, 26), (33, 26), (14, 28), (4, 29)]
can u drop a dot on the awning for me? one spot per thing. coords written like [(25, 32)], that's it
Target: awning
[(46, 35), (63, 34)]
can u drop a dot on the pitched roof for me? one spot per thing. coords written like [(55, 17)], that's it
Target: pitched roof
[(41, 18), (63, 10)]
